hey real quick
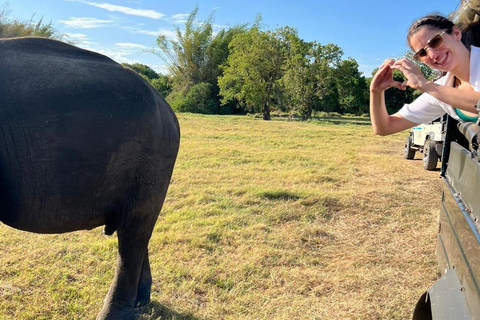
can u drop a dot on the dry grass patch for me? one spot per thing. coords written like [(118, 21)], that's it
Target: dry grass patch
[(263, 220)]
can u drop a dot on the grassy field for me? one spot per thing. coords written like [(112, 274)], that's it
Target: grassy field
[(263, 220)]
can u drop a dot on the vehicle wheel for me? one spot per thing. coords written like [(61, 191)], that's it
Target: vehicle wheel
[(408, 152), (430, 156)]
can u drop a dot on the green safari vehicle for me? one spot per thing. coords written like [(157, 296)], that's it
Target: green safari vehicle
[(456, 295)]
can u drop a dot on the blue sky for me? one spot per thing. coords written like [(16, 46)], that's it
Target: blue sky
[(368, 31)]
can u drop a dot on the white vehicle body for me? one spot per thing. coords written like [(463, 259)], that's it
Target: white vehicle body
[(428, 139), (432, 131)]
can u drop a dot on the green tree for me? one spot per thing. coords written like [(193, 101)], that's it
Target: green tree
[(186, 57), (352, 87), (196, 55), (253, 71), (309, 79), (299, 79), (162, 83), (327, 58), (218, 52), (197, 100), (143, 69)]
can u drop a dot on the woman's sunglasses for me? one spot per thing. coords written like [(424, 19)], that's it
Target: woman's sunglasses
[(434, 43)]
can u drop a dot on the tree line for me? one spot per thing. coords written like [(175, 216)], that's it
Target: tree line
[(246, 69)]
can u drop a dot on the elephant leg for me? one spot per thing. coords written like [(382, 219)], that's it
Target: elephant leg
[(144, 284), (133, 236)]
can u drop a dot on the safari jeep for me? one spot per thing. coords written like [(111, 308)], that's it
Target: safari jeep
[(456, 294), (427, 139)]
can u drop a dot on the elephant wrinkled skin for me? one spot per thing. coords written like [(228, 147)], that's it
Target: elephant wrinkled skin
[(84, 142)]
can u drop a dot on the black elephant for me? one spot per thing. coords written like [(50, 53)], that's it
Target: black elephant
[(84, 142)]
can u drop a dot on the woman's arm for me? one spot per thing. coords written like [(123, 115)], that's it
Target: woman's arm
[(382, 122), (458, 98)]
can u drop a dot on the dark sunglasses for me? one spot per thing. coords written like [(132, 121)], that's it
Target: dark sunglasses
[(435, 42)]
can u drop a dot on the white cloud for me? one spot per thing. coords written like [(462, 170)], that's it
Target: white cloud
[(86, 23), (79, 39), (179, 18), (130, 11), (119, 56), (152, 14), (77, 36), (125, 53), (127, 45), (169, 34), (122, 51)]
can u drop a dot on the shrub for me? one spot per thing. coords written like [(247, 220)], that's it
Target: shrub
[(162, 85), (197, 100), (10, 28)]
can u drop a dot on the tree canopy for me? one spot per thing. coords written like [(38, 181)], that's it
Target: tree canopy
[(253, 71), (309, 76), (249, 69), (162, 83), (194, 58)]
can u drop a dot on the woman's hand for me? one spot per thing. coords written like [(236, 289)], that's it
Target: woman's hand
[(383, 78), (466, 86), (415, 77)]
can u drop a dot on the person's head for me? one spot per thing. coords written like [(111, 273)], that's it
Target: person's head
[(436, 41)]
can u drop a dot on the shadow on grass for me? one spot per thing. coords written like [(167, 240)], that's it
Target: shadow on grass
[(346, 120), (158, 311), (279, 195), (336, 119), (327, 119), (438, 168)]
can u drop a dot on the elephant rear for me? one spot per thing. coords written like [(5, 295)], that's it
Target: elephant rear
[(82, 139)]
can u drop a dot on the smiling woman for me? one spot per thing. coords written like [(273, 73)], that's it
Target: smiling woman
[(436, 41)]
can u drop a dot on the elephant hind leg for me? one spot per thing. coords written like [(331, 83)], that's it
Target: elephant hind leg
[(144, 284), (133, 234)]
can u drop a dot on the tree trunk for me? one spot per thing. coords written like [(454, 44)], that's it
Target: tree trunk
[(266, 112), (306, 112)]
